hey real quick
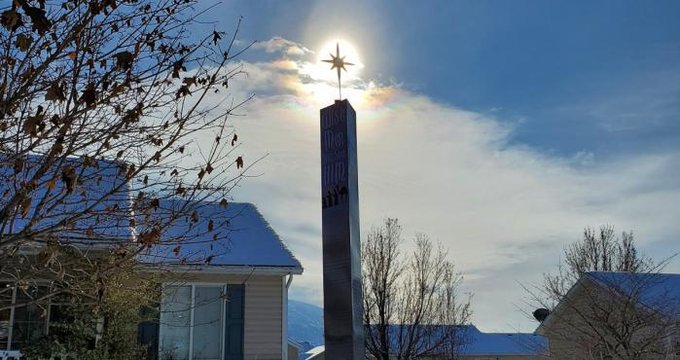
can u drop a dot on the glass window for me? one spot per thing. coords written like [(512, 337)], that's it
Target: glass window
[(197, 323), (175, 322), (4, 328), (208, 306), (6, 295), (29, 318)]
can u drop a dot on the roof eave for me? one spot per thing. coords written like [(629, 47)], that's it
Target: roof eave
[(227, 269)]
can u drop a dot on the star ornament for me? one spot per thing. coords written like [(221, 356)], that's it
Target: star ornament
[(339, 63)]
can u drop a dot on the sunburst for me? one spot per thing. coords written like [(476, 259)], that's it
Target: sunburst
[(339, 63)]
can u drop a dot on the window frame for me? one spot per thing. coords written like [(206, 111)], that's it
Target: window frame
[(223, 315), (12, 319)]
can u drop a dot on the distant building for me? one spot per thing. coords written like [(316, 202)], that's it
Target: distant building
[(616, 315), (485, 346)]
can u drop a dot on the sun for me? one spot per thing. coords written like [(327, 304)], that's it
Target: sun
[(320, 70), (323, 86), (347, 51)]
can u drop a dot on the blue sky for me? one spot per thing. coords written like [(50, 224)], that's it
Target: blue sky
[(499, 128), (579, 76)]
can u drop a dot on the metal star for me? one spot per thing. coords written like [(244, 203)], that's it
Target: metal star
[(338, 63)]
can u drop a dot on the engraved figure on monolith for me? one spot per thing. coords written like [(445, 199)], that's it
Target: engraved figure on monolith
[(343, 305)]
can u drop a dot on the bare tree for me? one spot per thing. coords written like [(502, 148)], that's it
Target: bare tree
[(598, 250), (412, 305), (103, 124), (606, 301)]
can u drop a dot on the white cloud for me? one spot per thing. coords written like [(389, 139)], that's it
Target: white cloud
[(504, 210), (279, 44)]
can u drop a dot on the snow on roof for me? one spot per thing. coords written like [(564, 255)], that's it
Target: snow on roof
[(99, 203), (658, 291), (311, 353), (479, 343), (245, 239)]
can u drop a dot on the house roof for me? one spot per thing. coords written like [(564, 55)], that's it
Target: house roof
[(315, 352), (477, 343), (241, 237), (98, 186), (480, 343), (659, 291)]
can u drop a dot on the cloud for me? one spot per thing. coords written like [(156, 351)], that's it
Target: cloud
[(505, 210), (279, 44)]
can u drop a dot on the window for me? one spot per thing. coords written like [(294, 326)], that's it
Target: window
[(202, 322), (23, 320)]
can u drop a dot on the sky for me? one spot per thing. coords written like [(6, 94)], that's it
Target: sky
[(500, 129)]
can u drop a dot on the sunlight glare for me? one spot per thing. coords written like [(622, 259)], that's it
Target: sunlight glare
[(327, 88)]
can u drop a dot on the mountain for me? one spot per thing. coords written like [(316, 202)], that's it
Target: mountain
[(305, 324)]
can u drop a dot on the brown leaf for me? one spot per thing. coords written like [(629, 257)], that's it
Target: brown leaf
[(183, 91), (94, 8), (24, 42), (89, 95), (11, 19), (25, 206), (177, 67), (194, 216), (69, 177), (149, 238), (176, 250), (234, 140), (40, 22), (52, 184), (239, 162), (72, 55), (211, 225), (117, 89), (188, 81), (33, 124), (223, 203), (58, 147), (124, 60), (55, 92)]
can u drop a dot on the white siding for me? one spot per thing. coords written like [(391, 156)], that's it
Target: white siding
[(263, 318)]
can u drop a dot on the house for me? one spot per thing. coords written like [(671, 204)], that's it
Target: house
[(506, 346), (233, 306), (65, 190), (225, 272), (478, 345), (616, 315)]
